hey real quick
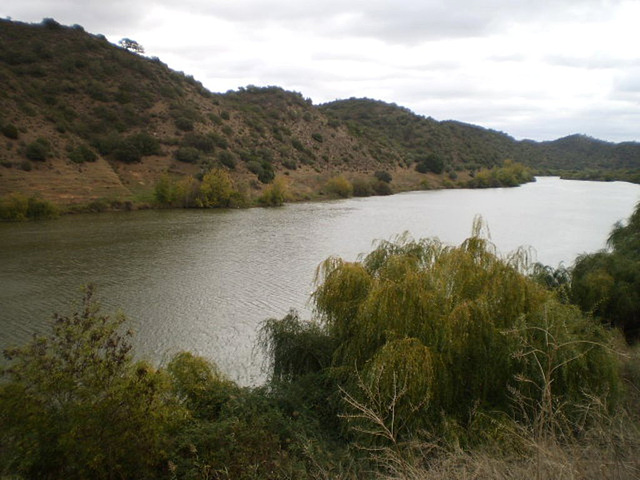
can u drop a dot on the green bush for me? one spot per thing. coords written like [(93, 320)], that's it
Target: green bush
[(362, 187), (10, 131), (262, 169), (184, 124), (430, 163), (297, 144), (74, 404), (188, 155), (606, 284), (426, 334), (81, 154), (290, 164), (17, 207), (339, 186), (275, 194), (227, 159), (38, 150), (382, 188), (383, 176), (204, 143), (317, 137)]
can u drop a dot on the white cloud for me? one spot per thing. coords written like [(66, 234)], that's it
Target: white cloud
[(539, 70)]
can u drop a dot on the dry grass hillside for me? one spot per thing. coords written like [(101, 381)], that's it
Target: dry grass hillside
[(85, 121)]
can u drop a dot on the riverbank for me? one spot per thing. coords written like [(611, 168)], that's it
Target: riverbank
[(219, 188)]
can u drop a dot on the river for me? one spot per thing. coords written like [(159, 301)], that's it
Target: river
[(203, 280)]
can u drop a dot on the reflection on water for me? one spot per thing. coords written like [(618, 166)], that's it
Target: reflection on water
[(204, 280)]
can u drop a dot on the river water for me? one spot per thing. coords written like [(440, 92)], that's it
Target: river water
[(203, 280)]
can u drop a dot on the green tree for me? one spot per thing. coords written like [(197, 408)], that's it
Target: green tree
[(339, 186), (131, 45), (216, 189), (607, 283), (425, 335), (275, 194), (75, 405)]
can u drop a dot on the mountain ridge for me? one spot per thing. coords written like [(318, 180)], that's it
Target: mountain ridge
[(83, 119)]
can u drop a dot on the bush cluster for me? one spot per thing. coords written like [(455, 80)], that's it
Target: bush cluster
[(17, 207)]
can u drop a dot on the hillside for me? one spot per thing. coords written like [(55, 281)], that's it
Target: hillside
[(83, 121)]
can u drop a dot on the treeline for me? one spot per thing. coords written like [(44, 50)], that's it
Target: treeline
[(419, 352), (17, 207), (510, 174)]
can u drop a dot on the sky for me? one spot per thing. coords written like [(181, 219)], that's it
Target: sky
[(535, 69)]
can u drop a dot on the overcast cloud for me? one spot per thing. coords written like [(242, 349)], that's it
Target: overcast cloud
[(538, 69)]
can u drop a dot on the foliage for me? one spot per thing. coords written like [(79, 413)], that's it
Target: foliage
[(510, 174), (227, 159), (38, 150), (482, 328), (263, 170), (216, 190), (17, 207), (188, 155), (131, 45), (607, 283), (9, 130), (430, 163), (128, 149), (339, 186), (362, 187), (383, 176), (275, 194), (75, 405), (295, 348), (382, 188), (82, 154)]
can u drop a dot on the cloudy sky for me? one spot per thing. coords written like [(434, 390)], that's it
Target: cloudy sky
[(539, 69)]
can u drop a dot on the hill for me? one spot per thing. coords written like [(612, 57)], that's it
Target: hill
[(85, 121)]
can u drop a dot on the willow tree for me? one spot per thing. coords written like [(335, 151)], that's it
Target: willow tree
[(607, 283), (423, 329)]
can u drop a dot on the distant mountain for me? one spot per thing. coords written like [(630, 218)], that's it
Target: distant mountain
[(82, 119)]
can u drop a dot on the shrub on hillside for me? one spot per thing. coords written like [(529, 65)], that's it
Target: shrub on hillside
[(187, 155), (81, 154), (17, 207), (38, 150), (227, 159), (339, 186), (9, 130)]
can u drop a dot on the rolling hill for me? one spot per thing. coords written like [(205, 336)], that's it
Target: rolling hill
[(83, 120)]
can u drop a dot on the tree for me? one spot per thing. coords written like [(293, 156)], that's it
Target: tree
[(607, 283), (131, 45), (423, 330), (75, 405), (216, 189)]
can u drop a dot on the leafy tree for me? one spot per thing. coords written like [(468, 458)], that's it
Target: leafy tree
[(17, 207), (339, 186), (10, 131), (75, 405), (607, 283), (424, 335), (131, 45), (275, 194), (216, 189), (430, 163), (383, 176), (38, 150)]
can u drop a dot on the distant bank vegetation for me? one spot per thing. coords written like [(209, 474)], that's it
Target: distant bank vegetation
[(84, 121), (423, 361)]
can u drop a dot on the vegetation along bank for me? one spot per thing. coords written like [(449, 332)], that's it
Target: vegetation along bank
[(88, 126), (422, 361)]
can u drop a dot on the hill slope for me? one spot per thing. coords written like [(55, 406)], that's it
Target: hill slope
[(82, 119)]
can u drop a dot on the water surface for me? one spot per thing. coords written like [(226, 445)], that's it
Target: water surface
[(204, 280)]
